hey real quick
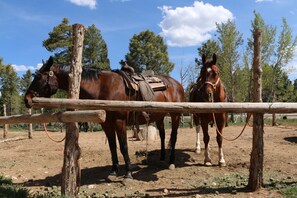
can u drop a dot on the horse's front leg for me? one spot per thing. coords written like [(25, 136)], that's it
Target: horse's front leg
[(111, 137), (207, 159), (198, 127), (221, 124), (198, 144), (122, 137)]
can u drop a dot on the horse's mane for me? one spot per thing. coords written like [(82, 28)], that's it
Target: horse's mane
[(87, 72)]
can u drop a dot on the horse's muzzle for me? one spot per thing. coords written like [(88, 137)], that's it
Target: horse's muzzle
[(28, 100), (210, 97)]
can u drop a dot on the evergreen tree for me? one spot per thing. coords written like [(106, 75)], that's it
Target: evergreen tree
[(25, 81), (242, 79), (60, 42), (148, 52), (275, 56), (9, 90), (267, 37), (95, 50), (229, 40)]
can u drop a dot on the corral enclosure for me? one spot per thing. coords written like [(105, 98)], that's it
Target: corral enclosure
[(36, 163)]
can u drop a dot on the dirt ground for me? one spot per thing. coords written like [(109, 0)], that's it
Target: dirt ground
[(36, 163)]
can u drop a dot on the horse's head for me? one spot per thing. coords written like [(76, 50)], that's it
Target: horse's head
[(44, 84), (209, 76)]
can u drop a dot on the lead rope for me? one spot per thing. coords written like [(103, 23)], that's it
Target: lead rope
[(247, 120), (57, 141), (146, 143)]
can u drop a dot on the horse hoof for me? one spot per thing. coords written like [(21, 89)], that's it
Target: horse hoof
[(111, 178), (207, 164), (171, 167), (198, 151), (222, 164)]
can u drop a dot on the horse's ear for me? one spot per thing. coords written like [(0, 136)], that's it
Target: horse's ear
[(50, 61), (46, 66), (214, 59), (203, 58)]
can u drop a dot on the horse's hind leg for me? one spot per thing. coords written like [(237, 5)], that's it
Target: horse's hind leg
[(122, 137), (111, 137), (160, 126), (173, 137)]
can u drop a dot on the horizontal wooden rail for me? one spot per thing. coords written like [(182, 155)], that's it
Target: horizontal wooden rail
[(67, 116), (182, 107)]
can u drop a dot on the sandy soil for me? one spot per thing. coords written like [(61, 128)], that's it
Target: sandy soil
[(36, 163)]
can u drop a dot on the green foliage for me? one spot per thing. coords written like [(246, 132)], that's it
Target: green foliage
[(95, 53), (242, 83), (229, 40), (8, 190), (268, 38), (9, 89), (60, 42), (290, 192), (148, 52), (26, 81), (95, 50), (275, 56)]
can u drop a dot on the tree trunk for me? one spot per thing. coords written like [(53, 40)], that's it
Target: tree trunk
[(71, 172), (257, 155)]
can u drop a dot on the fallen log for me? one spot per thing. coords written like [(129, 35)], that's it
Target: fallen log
[(13, 139)]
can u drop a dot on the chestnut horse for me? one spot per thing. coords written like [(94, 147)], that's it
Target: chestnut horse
[(209, 88), (109, 85)]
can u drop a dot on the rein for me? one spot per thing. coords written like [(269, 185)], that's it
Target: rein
[(57, 141), (246, 123)]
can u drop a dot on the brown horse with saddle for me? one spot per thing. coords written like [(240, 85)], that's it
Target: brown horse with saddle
[(115, 85)]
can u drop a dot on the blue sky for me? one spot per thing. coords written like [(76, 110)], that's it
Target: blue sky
[(184, 24)]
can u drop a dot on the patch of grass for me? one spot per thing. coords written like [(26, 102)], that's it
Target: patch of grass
[(290, 192), (9, 190)]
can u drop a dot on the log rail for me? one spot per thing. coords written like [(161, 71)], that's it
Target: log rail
[(182, 107)]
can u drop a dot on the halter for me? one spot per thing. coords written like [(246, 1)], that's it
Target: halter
[(214, 85)]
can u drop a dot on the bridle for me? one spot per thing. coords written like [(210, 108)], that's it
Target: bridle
[(53, 89)]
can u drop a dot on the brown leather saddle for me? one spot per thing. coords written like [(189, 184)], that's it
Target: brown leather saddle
[(145, 83)]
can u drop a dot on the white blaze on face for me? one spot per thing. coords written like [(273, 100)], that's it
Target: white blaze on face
[(208, 69)]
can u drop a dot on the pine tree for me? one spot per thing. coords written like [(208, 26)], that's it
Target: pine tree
[(148, 52), (9, 90), (95, 52), (229, 40)]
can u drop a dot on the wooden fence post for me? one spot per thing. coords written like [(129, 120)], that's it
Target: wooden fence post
[(71, 173), (30, 126), (5, 126), (257, 154)]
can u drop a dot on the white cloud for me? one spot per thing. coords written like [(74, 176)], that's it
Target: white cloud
[(189, 26), (122, 1), (90, 3), (22, 68), (260, 1)]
